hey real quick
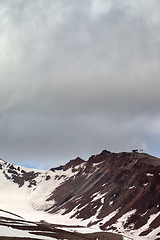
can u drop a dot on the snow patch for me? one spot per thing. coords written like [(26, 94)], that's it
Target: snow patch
[(110, 216), (9, 215), (10, 232), (145, 184), (97, 164), (97, 196), (149, 174), (111, 202), (119, 225)]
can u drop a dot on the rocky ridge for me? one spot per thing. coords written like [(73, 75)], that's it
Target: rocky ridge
[(117, 192)]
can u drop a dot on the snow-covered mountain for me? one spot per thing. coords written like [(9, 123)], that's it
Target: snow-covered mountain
[(114, 192)]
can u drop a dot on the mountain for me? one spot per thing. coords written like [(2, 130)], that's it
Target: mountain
[(113, 192)]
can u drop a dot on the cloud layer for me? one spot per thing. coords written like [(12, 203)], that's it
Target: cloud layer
[(77, 77)]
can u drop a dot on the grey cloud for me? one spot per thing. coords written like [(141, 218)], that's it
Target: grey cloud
[(75, 81)]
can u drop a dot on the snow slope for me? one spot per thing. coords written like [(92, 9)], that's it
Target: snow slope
[(30, 203)]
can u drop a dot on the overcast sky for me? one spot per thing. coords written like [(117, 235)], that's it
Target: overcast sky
[(77, 77)]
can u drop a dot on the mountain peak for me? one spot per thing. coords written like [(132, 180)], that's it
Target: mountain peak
[(74, 162), (116, 192)]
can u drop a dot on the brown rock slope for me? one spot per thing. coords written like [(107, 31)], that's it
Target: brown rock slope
[(117, 185)]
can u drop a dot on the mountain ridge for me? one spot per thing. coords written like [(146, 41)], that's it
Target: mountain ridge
[(117, 192)]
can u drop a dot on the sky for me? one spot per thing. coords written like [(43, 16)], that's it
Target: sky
[(77, 77)]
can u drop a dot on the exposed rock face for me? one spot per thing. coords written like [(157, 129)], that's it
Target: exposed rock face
[(17, 174), (110, 182), (119, 192)]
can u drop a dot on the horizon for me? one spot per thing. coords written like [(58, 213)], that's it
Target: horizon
[(30, 165)]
